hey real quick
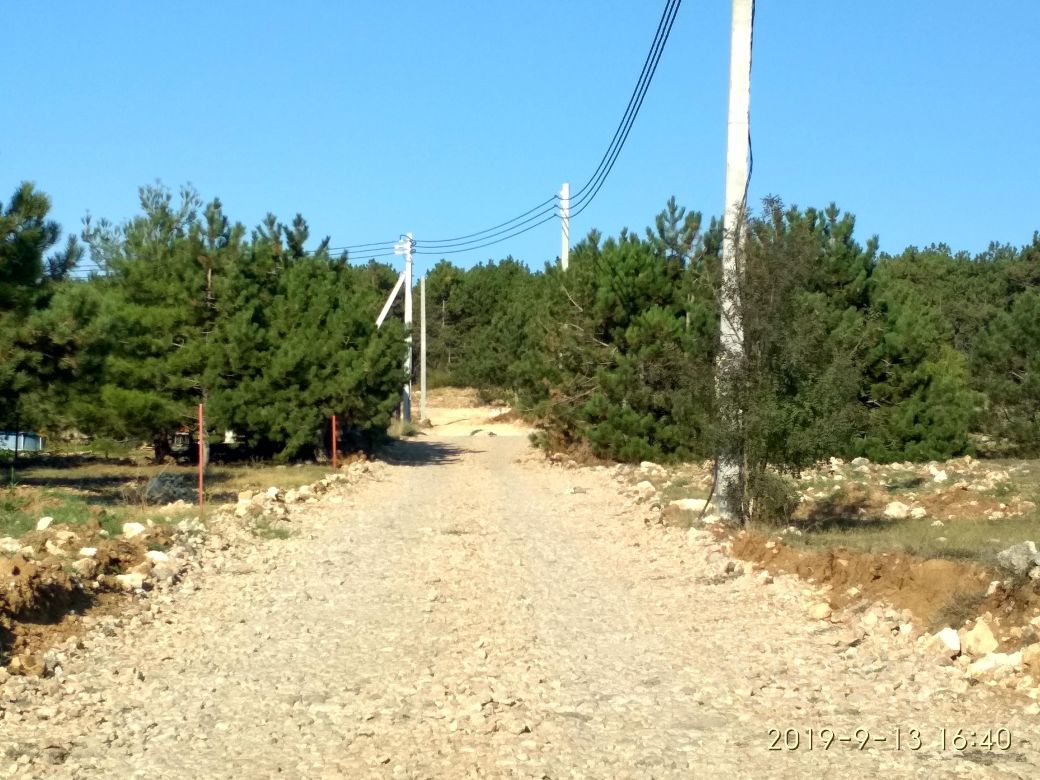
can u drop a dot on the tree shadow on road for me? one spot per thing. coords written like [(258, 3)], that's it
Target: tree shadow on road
[(408, 452)]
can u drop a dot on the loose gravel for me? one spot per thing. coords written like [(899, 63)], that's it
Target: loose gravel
[(473, 611)]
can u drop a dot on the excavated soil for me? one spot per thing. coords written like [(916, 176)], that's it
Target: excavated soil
[(937, 591), (33, 591), (41, 604)]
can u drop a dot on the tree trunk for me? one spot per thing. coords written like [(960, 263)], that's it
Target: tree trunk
[(162, 447)]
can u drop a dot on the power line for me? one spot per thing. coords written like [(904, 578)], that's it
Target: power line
[(545, 202), (548, 208), (584, 200), (442, 250), (631, 100), (370, 244), (551, 211), (587, 193)]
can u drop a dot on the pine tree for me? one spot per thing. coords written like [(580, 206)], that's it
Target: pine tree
[(30, 356), (155, 314), (297, 343)]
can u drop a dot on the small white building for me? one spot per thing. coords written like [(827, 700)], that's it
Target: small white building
[(23, 441)]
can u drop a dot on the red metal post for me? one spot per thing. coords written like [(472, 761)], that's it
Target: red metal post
[(202, 460), (333, 442)]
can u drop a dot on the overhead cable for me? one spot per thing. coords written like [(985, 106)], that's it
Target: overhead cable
[(631, 100), (582, 202)]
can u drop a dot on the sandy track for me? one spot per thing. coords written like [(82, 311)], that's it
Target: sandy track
[(466, 616)]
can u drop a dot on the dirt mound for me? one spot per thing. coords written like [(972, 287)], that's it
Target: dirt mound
[(932, 589), (41, 603), (453, 397), (33, 591)]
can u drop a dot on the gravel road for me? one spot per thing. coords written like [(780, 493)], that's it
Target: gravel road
[(465, 614)]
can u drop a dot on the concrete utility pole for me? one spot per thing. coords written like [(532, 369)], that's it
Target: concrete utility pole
[(729, 485), (406, 403), (422, 347), (405, 247), (565, 225)]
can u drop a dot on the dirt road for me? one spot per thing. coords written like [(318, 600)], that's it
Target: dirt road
[(468, 615)]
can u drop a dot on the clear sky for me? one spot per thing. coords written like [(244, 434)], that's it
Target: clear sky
[(443, 118)]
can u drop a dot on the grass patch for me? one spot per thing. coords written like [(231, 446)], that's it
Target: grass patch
[(401, 429), (1004, 489), (14, 519), (224, 483), (21, 508), (905, 481), (961, 607), (75, 489), (265, 529), (972, 540), (683, 489)]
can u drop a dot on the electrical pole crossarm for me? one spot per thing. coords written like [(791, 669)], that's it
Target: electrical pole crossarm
[(390, 301)]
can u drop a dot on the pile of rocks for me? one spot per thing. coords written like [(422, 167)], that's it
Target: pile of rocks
[(275, 504), (169, 487), (90, 557), (972, 653), (975, 649), (129, 561), (1020, 560)]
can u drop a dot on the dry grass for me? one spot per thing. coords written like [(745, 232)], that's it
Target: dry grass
[(978, 540), (848, 510), (74, 489), (957, 526)]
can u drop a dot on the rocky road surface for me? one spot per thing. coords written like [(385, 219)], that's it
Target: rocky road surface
[(475, 612)]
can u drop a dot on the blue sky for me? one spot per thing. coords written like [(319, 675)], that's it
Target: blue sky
[(376, 118)]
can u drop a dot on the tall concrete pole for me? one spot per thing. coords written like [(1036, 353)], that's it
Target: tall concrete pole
[(730, 475), (422, 348), (565, 225), (406, 398)]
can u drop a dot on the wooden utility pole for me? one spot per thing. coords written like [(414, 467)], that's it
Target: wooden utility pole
[(422, 348), (202, 461), (730, 470), (565, 225), (335, 446)]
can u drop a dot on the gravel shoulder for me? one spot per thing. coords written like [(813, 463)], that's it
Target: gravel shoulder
[(473, 611)]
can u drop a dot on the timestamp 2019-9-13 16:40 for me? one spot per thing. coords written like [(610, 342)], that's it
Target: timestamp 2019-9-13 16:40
[(942, 739)]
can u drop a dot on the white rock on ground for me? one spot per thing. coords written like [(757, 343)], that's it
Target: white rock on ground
[(994, 665), (130, 530), (44, 523), (979, 640), (131, 581), (10, 546), (950, 641), (897, 510), (820, 611), (690, 504), (1019, 559)]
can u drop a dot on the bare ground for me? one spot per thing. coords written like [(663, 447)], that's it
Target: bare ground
[(475, 612)]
